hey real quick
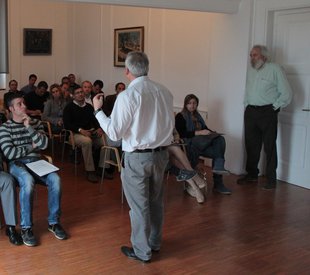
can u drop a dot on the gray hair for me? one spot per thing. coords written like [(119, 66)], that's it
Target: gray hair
[(137, 63), (263, 51)]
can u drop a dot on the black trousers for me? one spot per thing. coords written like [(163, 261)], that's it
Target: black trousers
[(261, 123)]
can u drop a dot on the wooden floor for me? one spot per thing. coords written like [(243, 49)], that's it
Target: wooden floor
[(250, 232)]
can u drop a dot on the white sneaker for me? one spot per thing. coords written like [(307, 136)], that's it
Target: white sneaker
[(190, 190), (195, 192), (199, 181)]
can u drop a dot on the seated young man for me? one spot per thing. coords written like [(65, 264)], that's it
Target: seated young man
[(21, 140), (79, 118), (7, 195)]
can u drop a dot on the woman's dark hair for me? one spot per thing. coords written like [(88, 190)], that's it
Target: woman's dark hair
[(187, 99)]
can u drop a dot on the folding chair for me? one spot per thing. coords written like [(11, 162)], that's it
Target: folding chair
[(68, 139), (50, 134), (107, 151)]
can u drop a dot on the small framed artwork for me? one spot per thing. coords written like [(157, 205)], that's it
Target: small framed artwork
[(127, 40), (37, 41)]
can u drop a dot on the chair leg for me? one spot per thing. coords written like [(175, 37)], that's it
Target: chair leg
[(63, 151), (52, 141), (75, 160), (103, 169)]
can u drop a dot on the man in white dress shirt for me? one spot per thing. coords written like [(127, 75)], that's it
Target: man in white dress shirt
[(143, 118)]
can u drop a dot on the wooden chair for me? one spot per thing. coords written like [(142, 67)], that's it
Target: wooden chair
[(50, 134), (5, 169), (108, 151), (68, 139)]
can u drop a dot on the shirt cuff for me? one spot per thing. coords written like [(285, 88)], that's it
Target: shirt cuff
[(97, 111)]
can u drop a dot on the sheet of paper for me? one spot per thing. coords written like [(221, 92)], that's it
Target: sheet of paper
[(42, 167)]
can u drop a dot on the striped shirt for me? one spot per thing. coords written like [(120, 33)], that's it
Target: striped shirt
[(17, 141)]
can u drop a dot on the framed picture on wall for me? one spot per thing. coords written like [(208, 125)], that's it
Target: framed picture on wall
[(127, 40), (37, 41)]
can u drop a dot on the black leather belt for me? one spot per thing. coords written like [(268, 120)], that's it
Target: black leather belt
[(157, 149), (260, 107)]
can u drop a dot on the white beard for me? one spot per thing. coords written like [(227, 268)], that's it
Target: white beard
[(257, 65)]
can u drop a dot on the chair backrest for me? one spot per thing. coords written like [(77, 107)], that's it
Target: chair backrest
[(68, 137), (47, 128), (115, 150)]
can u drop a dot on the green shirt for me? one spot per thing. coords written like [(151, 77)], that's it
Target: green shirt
[(268, 85)]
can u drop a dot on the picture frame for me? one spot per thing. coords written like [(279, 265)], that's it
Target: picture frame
[(37, 41), (127, 40)]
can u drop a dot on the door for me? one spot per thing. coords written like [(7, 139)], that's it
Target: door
[(291, 48)]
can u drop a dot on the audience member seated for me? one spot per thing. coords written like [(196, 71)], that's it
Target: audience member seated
[(21, 139), (31, 84), (184, 171), (72, 84), (53, 109), (79, 118), (87, 89), (110, 99), (35, 100), (66, 92), (201, 141), (97, 87), (13, 88), (8, 200), (65, 79)]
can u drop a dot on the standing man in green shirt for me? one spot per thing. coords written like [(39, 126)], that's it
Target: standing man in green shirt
[(267, 91)]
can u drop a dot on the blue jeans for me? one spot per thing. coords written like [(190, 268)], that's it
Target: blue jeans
[(26, 183), (201, 146)]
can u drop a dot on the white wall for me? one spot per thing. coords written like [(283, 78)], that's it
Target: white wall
[(189, 52), (228, 65), (39, 14)]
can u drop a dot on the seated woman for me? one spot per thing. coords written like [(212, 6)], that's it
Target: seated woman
[(186, 173), (53, 109), (201, 141)]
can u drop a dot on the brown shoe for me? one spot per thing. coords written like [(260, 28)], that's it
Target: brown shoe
[(91, 176)]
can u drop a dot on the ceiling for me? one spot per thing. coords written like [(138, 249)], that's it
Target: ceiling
[(221, 6)]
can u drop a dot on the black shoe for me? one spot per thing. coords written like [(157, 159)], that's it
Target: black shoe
[(58, 231), (92, 177), (129, 252), (247, 179), (14, 237), (270, 186), (28, 237), (108, 176)]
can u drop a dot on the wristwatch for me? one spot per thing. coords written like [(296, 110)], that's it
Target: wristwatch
[(97, 111)]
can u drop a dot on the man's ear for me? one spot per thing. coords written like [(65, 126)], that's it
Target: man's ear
[(11, 108), (126, 71)]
